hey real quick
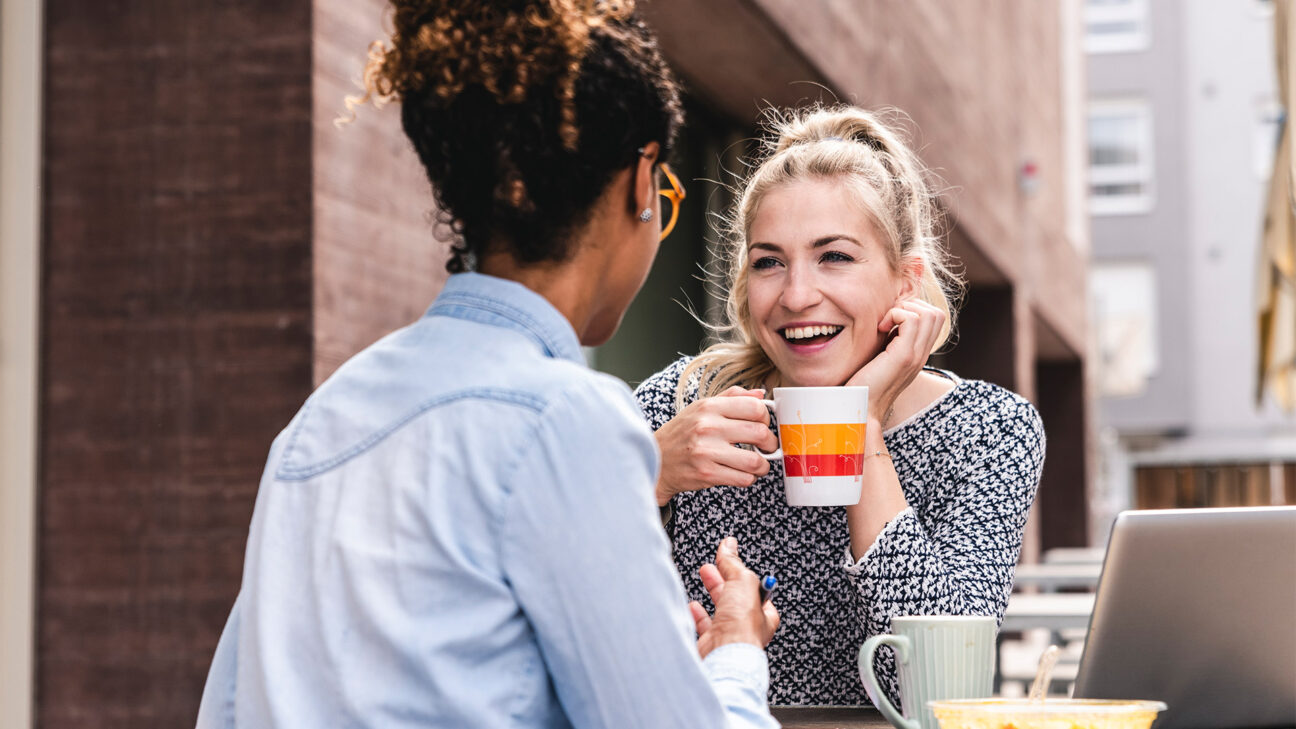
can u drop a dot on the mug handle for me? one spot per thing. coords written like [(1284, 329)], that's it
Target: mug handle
[(901, 645), (777, 453)]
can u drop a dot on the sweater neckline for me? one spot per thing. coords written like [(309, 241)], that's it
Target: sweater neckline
[(959, 383)]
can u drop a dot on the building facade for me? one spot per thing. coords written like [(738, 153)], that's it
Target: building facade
[(209, 247), (1183, 115)]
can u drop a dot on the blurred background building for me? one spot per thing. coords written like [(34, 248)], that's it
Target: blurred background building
[(190, 246), (1183, 124)]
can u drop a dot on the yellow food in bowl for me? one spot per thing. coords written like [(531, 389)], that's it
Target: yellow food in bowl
[(1048, 714)]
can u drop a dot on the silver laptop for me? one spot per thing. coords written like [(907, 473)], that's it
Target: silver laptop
[(1197, 608)]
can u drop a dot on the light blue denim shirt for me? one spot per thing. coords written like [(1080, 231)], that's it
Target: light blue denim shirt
[(457, 530)]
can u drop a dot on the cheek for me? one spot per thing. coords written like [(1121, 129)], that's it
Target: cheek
[(758, 303)]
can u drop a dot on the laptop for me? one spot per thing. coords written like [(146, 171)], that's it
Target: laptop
[(1197, 608)]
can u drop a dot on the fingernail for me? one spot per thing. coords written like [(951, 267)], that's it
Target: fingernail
[(731, 544)]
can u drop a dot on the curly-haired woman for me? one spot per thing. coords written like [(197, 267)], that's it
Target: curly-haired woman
[(837, 277), (457, 528)]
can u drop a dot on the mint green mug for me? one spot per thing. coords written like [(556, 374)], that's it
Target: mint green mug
[(938, 657)]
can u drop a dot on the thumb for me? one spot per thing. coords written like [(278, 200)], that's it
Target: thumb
[(731, 567)]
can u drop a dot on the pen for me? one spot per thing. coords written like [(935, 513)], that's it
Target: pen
[(767, 585)]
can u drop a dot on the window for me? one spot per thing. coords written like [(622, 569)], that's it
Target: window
[(1123, 297), (1114, 26), (1120, 157)]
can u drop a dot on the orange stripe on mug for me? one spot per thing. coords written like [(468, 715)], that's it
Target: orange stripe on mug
[(822, 438)]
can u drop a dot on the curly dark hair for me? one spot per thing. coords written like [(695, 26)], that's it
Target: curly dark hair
[(521, 111)]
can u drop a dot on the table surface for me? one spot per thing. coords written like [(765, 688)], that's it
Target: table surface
[(829, 717), (834, 717), (1055, 576), (1075, 555), (1056, 611)]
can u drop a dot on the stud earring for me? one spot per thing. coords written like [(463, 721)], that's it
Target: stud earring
[(646, 216)]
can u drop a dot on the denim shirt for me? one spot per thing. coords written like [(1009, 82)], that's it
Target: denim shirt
[(458, 530)]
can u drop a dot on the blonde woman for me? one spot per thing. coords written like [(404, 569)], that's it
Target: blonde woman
[(837, 277)]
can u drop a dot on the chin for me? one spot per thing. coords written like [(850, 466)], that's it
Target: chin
[(811, 379)]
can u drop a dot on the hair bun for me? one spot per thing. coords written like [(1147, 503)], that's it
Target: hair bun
[(831, 124), (508, 47)]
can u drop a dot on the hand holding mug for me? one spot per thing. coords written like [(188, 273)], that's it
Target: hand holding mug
[(916, 326), (697, 445)]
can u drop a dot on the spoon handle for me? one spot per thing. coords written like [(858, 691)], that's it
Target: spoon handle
[(1043, 676)]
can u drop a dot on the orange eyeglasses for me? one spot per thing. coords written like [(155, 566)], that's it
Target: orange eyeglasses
[(675, 195)]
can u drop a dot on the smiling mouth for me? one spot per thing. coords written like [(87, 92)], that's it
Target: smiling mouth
[(810, 335)]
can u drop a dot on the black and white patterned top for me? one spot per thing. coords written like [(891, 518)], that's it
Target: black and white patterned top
[(969, 465)]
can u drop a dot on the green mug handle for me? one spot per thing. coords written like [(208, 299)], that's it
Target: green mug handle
[(901, 645)]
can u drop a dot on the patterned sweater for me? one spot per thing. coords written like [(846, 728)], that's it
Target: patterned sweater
[(969, 465)]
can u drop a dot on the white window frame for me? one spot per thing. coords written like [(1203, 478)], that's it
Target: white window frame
[(1144, 171), (1135, 11)]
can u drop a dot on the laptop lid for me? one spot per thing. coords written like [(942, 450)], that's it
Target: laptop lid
[(1197, 608)]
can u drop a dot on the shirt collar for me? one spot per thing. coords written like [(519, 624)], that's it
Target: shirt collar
[(508, 304)]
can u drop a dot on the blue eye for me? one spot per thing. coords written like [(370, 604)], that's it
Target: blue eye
[(835, 257), (764, 262)]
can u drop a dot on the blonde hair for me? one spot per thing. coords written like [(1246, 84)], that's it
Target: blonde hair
[(869, 154)]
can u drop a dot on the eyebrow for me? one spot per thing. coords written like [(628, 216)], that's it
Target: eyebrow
[(818, 242)]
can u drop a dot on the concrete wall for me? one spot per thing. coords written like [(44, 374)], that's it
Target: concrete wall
[(1156, 74), (1228, 76), (1207, 73), (20, 132)]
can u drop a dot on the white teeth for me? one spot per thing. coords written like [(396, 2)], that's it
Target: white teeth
[(807, 332)]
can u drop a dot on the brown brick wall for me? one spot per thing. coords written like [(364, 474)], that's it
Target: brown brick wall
[(377, 265), (176, 333)]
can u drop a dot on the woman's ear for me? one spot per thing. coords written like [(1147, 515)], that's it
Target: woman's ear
[(911, 274), (644, 189)]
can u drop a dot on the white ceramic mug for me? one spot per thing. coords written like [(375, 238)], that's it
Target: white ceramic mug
[(938, 657), (821, 438)]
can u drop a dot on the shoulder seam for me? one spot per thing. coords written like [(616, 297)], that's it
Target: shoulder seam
[(287, 472)]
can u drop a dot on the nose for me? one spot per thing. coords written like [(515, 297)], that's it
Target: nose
[(802, 290)]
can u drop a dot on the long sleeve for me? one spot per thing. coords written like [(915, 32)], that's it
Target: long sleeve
[(586, 557), (656, 395), (959, 557), (969, 465)]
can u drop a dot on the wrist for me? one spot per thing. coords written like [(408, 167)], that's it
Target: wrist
[(664, 493), (873, 434), (729, 635)]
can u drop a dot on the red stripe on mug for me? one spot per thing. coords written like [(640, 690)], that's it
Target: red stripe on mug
[(842, 464)]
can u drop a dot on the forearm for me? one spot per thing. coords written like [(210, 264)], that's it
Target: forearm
[(907, 573), (881, 498)]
